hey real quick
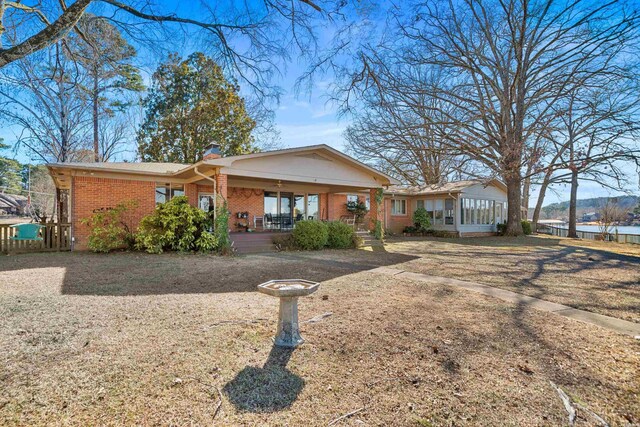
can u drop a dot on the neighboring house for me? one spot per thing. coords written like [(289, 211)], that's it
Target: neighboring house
[(590, 217), (273, 190), (12, 204), (264, 191), (464, 208)]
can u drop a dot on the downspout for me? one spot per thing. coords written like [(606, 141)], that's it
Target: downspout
[(215, 186)]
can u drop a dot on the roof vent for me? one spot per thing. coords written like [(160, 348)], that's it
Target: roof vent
[(212, 151)]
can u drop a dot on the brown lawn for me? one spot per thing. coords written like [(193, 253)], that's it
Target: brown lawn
[(141, 339), (593, 276)]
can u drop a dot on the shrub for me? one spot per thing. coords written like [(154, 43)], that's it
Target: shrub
[(310, 235), (340, 235), (410, 229), (526, 227), (284, 242), (421, 219), (175, 225), (358, 208), (501, 228), (109, 229), (221, 229)]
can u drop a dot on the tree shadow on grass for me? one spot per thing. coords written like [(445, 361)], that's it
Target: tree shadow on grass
[(136, 274), (271, 388)]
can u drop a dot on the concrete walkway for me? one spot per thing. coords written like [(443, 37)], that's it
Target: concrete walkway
[(611, 323)]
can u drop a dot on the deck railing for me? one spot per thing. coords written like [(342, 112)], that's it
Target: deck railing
[(589, 235), (55, 237)]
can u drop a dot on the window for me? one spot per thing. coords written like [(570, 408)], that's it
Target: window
[(367, 202), (498, 213), (352, 198), (312, 206), (419, 204), (166, 192), (448, 211), (438, 218), (177, 190), (428, 205), (398, 207), (479, 211)]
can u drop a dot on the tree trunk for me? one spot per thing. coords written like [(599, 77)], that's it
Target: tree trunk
[(94, 95), (573, 202), (526, 190), (514, 201), (538, 209)]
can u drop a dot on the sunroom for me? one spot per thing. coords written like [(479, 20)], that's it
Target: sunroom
[(464, 207)]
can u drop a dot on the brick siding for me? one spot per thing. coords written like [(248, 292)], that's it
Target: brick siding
[(89, 194), (249, 200)]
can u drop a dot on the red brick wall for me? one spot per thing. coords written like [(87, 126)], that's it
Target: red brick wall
[(222, 185), (90, 193), (337, 206), (244, 200), (395, 223)]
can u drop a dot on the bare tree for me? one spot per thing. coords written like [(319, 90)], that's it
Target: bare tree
[(107, 59), (43, 96), (246, 38), (596, 132), (505, 63), (399, 129), (610, 215)]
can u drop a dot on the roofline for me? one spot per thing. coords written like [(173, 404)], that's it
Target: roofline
[(493, 181), (228, 161), (224, 161), (76, 166)]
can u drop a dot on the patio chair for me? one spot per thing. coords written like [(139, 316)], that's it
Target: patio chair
[(349, 220), (268, 221), (27, 231)]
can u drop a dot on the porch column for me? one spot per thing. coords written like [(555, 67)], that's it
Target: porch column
[(375, 211), (221, 180)]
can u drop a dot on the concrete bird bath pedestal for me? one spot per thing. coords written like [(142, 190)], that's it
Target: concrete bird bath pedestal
[(288, 291)]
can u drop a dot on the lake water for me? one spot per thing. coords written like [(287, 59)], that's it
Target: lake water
[(622, 229)]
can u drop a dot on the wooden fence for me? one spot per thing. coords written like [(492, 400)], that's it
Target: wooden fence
[(589, 235), (55, 237)]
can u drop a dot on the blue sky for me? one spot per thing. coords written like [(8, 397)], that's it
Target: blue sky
[(307, 118)]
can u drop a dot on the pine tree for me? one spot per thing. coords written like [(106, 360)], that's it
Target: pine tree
[(191, 105)]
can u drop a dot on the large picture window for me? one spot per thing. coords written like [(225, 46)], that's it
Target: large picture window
[(398, 207), (479, 211), (166, 192)]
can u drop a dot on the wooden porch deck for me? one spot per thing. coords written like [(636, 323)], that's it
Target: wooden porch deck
[(256, 242)]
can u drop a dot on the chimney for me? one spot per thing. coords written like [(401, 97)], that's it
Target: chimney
[(212, 151)]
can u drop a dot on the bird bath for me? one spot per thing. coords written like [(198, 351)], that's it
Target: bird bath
[(289, 290)]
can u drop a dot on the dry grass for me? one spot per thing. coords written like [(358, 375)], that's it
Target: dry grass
[(138, 339), (594, 276)]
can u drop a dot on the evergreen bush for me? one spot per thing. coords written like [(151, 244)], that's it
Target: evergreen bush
[(310, 234)]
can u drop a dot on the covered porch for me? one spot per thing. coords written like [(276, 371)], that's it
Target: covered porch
[(276, 205)]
